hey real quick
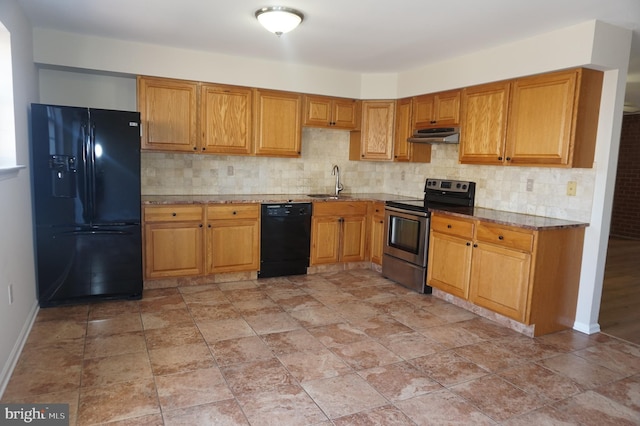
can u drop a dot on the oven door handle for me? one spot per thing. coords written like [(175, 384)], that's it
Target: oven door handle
[(405, 211)]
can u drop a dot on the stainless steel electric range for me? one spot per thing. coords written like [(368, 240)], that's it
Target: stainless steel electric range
[(406, 245)]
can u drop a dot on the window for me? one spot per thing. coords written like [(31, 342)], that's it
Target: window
[(7, 118)]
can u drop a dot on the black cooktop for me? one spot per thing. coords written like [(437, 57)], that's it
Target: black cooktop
[(442, 194)]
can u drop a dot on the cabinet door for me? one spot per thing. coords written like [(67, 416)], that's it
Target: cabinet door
[(376, 141), (278, 124), (233, 245), (173, 249), (483, 127), (317, 111), (500, 280), (449, 264), (168, 110), (447, 108), (353, 238), (345, 113), (423, 111), (376, 234), (325, 240), (540, 119), (404, 129), (225, 120)]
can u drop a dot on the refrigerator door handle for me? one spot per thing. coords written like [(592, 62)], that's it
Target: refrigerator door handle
[(92, 165), (86, 173)]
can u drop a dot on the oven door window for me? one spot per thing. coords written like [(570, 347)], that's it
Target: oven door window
[(404, 234)]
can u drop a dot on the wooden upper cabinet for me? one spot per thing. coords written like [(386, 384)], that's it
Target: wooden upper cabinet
[(168, 110), (336, 113), (375, 139), (403, 150), (436, 110), (225, 119), (277, 123), (483, 123), (553, 119)]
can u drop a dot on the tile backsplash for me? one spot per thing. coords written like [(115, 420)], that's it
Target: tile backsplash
[(502, 188)]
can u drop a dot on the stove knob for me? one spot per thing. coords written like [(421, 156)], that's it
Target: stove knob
[(458, 186), (464, 186)]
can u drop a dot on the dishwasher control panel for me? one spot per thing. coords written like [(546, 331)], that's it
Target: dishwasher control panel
[(287, 209)]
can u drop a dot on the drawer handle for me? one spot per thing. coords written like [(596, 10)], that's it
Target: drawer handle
[(500, 237), (174, 214), (449, 226)]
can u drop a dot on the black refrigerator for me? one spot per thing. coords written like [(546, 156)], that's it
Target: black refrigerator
[(85, 174)]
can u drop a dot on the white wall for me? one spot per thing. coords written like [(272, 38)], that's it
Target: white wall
[(16, 244), (591, 43)]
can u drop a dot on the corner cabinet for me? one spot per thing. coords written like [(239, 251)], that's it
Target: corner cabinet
[(233, 238), (173, 240), (338, 232), (531, 276), (168, 110), (328, 112), (374, 140), (551, 120), (277, 123), (225, 119)]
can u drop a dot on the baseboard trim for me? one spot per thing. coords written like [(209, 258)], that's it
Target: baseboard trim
[(586, 328), (10, 365)]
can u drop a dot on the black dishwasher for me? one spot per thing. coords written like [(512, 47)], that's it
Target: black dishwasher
[(285, 239)]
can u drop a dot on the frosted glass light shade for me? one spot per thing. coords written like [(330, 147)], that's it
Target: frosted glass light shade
[(279, 19)]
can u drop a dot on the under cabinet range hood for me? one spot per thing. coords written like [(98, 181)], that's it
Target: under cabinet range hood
[(436, 135)]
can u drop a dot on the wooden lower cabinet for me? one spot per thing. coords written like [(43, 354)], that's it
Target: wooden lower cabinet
[(233, 238), (173, 241), (178, 244), (338, 232), (529, 275)]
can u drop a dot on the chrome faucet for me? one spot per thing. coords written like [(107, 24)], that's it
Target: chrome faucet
[(336, 173)]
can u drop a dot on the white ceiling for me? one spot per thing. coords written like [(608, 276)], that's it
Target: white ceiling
[(366, 36)]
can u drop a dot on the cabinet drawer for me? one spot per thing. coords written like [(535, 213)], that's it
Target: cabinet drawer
[(452, 226), (173, 213), (233, 211), (506, 237), (340, 208)]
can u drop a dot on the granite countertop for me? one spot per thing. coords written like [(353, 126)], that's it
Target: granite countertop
[(512, 219), (480, 213), (264, 198)]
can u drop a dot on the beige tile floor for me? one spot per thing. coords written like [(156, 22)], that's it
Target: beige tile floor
[(348, 348)]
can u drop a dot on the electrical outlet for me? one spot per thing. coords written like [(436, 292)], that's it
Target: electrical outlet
[(230, 171), (10, 289), (572, 187), (529, 185)]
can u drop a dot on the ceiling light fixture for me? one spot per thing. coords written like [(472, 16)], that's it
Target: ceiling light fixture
[(279, 19)]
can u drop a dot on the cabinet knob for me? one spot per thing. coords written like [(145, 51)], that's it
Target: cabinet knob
[(209, 226), (204, 149), (499, 158), (468, 243), (174, 214), (235, 212), (195, 148), (449, 226), (475, 245), (508, 158), (500, 237), (382, 221), (200, 225)]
